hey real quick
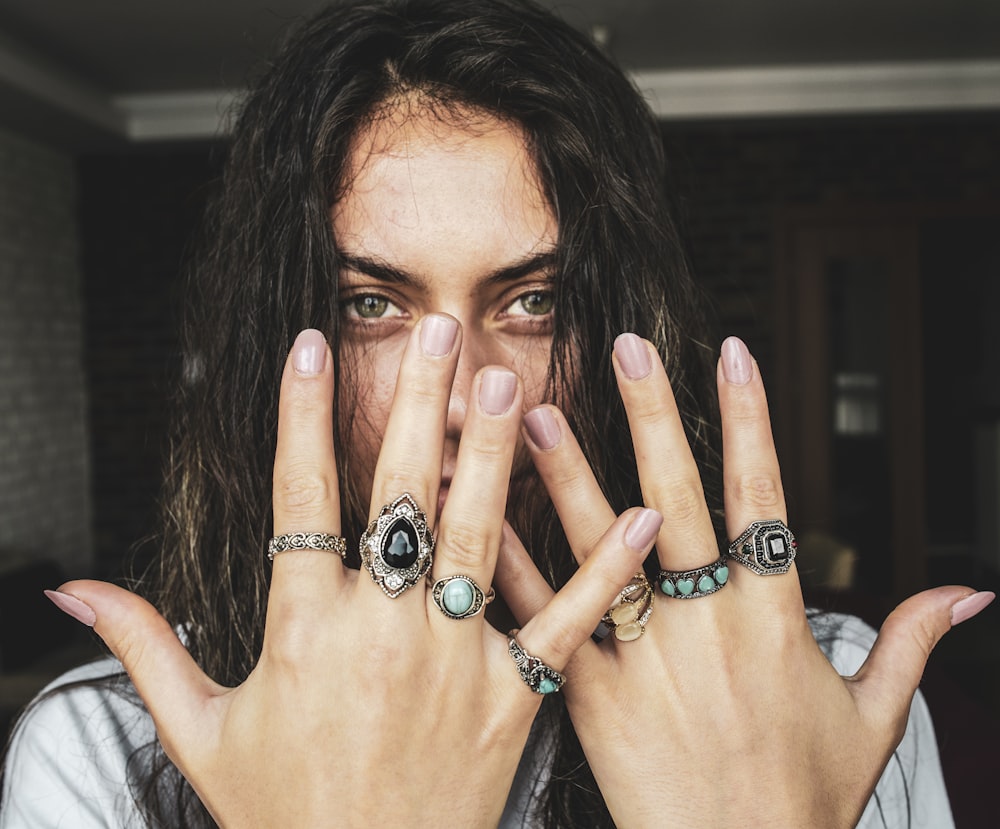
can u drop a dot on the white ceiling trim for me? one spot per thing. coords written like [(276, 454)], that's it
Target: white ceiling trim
[(176, 116), (813, 90), (839, 89)]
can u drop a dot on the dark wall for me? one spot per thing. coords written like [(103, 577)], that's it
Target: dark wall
[(138, 216)]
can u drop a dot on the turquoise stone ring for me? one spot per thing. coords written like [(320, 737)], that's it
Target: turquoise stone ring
[(538, 676), (459, 597), (693, 584)]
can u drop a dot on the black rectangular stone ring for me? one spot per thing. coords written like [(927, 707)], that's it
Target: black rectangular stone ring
[(323, 542), (766, 548)]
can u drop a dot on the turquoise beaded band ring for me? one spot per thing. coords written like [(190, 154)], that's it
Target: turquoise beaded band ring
[(693, 584), (459, 597), (398, 547), (627, 618), (538, 676), (766, 548), (322, 542)]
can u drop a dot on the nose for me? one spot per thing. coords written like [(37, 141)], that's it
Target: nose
[(476, 353)]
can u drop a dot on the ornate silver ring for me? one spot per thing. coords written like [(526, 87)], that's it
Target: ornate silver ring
[(398, 547), (765, 547), (324, 542)]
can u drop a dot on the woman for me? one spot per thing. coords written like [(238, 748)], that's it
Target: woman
[(459, 206)]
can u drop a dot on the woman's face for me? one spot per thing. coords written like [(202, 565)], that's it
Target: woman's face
[(443, 212)]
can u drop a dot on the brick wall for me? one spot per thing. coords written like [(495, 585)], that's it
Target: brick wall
[(44, 494)]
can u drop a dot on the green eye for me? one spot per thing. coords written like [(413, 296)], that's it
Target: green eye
[(370, 307), (537, 303)]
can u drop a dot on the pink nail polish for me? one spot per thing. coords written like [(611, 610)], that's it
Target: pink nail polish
[(437, 335), (496, 392), (72, 606), (309, 353), (542, 428), (633, 356), (737, 364), (969, 606), (641, 533)]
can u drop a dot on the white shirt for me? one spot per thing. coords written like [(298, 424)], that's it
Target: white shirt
[(67, 765)]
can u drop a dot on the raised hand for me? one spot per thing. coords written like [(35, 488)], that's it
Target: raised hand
[(364, 709), (725, 712)]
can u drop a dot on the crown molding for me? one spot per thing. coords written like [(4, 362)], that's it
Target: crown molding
[(817, 90), (733, 93)]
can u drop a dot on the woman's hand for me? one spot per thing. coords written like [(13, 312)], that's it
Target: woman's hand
[(725, 712), (365, 710)]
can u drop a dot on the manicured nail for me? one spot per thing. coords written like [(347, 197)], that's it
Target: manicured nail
[(73, 606), (642, 531), (633, 356), (542, 428), (496, 392), (309, 353), (437, 335), (737, 364), (970, 606)]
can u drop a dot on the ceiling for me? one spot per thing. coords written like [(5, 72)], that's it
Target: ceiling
[(82, 70)]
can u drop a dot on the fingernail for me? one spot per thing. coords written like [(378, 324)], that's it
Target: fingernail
[(542, 428), (970, 606), (71, 605), (496, 392), (437, 335), (633, 356), (737, 365), (309, 353), (642, 531)]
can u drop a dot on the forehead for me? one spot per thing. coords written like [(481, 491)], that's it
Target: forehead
[(432, 189)]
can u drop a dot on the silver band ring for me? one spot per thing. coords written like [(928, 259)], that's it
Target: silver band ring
[(398, 547), (323, 542), (459, 597), (538, 676), (766, 548), (693, 584)]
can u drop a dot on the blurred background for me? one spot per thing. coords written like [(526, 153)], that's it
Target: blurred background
[(837, 170)]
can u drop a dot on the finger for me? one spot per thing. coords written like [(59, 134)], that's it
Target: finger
[(413, 444), (472, 520), (886, 682), (558, 628), (582, 508), (750, 464), (524, 589), (668, 473), (306, 496), (173, 687), (751, 476)]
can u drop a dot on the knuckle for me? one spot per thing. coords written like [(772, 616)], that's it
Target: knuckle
[(758, 490), (464, 544), (683, 501), (302, 490)]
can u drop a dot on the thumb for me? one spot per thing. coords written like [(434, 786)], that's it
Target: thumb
[(890, 675), (169, 681)]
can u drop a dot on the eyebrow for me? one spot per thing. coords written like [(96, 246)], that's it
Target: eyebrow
[(381, 270)]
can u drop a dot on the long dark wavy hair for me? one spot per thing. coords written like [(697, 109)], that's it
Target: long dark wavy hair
[(268, 268)]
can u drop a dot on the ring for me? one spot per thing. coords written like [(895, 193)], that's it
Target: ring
[(765, 547), (459, 597), (324, 542), (628, 616), (538, 676), (693, 584), (398, 547)]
